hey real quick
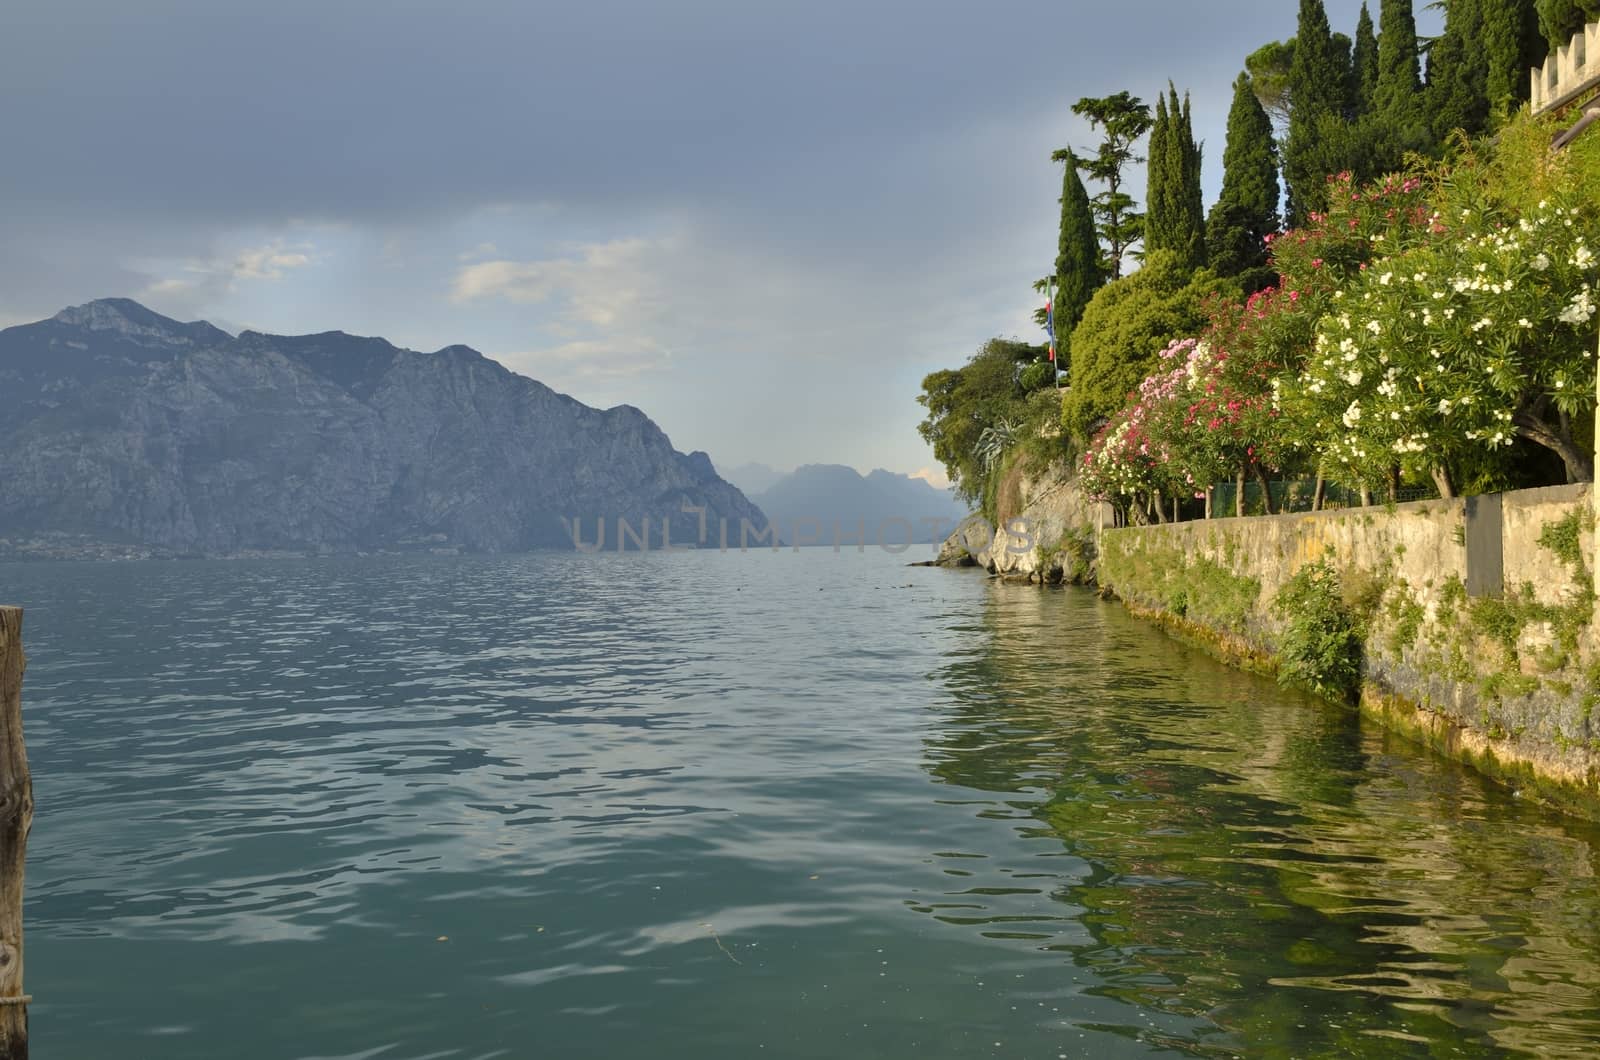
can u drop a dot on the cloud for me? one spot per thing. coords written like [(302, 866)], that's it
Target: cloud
[(585, 361), (482, 250), (600, 285), (268, 262), (934, 476), (191, 285)]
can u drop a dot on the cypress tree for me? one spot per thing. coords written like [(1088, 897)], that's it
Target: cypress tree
[(1457, 93), (1363, 66), (1397, 122), (1512, 45), (1190, 198), (1560, 19), (1079, 270), (1344, 57), (1175, 211), (1399, 77), (1247, 209), (1159, 217), (1317, 89)]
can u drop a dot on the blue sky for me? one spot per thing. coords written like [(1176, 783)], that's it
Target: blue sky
[(762, 223)]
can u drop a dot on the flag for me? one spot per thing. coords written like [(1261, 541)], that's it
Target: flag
[(1050, 322)]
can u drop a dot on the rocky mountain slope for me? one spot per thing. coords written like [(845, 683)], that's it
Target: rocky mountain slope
[(123, 429)]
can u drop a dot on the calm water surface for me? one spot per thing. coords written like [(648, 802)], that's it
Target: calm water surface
[(694, 806)]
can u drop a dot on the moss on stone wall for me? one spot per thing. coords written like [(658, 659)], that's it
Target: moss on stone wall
[(1196, 587)]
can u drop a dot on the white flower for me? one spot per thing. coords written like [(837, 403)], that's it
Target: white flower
[(1579, 310), (1385, 278), (1353, 377), (1582, 257), (1542, 262), (1524, 323), (1352, 415), (1375, 327)]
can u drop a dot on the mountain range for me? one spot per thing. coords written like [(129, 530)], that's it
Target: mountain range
[(124, 432), (811, 501)]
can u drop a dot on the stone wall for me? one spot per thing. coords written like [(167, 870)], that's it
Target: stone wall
[(1507, 680)]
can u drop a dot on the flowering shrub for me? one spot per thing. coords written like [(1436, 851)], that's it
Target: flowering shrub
[(1210, 412), (1362, 223), (1456, 341), (1133, 453)]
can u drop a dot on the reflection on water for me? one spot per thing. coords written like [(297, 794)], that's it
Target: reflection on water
[(689, 806), (1267, 865)]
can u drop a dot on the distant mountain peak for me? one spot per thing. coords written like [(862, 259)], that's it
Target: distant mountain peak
[(132, 320)]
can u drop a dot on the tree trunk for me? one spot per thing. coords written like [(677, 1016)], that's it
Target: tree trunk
[(1366, 497), (1175, 509), (1442, 479), (1530, 425), (1393, 485), (1238, 494), (1319, 496), (1266, 489), (1209, 490), (1155, 506), (16, 818)]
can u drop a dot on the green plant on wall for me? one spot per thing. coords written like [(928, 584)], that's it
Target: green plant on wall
[(1321, 645)]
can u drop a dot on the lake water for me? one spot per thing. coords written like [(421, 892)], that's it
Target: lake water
[(704, 806)]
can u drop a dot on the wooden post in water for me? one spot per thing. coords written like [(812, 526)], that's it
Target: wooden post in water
[(16, 818)]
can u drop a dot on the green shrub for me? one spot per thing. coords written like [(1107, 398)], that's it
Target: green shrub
[(1320, 648), (1037, 376)]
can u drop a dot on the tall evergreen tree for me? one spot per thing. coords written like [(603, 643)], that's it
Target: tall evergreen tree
[(1512, 45), (1247, 209), (1123, 120), (1457, 93), (1318, 87), (1191, 197), (1396, 97), (1080, 272), (1363, 66), (1397, 122), (1344, 56), (1176, 214), (1159, 194), (1560, 19), (1399, 75)]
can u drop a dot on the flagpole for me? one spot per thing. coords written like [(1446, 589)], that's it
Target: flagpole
[(1055, 354)]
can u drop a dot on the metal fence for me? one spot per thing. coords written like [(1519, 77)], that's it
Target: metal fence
[(1296, 495)]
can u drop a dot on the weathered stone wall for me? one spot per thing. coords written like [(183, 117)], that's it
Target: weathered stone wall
[(1508, 681)]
